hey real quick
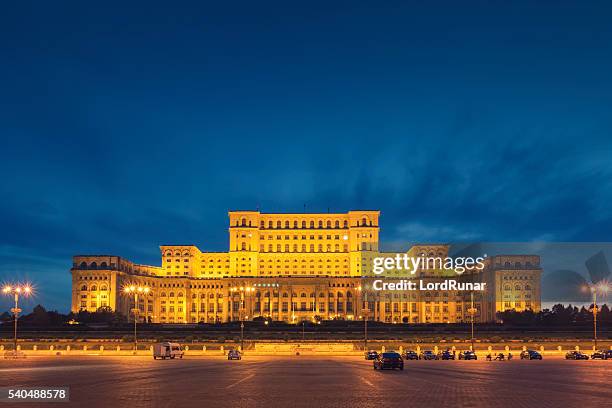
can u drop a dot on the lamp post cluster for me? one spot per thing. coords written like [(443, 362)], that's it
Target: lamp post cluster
[(602, 288), (16, 290), (242, 290), (136, 290)]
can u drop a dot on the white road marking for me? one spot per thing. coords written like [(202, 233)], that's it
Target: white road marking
[(239, 381), (366, 381)]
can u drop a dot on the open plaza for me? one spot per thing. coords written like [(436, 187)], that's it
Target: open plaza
[(309, 381)]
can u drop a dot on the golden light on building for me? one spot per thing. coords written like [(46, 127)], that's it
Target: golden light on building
[(291, 267)]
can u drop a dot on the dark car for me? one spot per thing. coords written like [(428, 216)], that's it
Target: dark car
[(608, 354), (576, 355), (530, 355), (446, 355), (234, 355), (600, 354), (427, 355), (371, 355), (468, 355), (411, 355), (389, 360)]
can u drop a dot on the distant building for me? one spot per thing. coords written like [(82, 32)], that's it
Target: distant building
[(295, 267)]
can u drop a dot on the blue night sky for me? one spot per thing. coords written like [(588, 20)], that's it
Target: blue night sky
[(127, 127)]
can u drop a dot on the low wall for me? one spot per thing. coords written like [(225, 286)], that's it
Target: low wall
[(322, 349)]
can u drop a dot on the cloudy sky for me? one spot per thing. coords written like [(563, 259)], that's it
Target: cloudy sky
[(128, 127)]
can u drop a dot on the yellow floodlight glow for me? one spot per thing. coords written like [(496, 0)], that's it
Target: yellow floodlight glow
[(6, 289)]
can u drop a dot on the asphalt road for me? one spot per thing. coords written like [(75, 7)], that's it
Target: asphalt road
[(302, 381)]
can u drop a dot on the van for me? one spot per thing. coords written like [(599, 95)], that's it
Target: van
[(167, 350)]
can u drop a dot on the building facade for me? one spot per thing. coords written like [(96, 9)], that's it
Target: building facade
[(295, 267)]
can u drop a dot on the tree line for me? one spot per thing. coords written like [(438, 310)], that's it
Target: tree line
[(558, 315)]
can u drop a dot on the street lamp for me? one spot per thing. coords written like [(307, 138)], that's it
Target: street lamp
[(603, 287), (19, 289), (136, 290), (242, 290), (365, 318), (472, 312)]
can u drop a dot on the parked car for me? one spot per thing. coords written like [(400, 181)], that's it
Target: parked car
[(608, 355), (427, 355), (234, 355), (389, 360), (410, 355), (576, 355), (530, 355), (468, 355), (600, 354), (167, 350), (371, 355), (445, 355)]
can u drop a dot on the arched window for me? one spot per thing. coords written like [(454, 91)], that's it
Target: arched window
[(94, 287), (349, 294), (507, 287), (103, 287), (345, 224), (328, 224), (507, 264), (180, 294), (340, 294), (171, 294), (285, 295), (270, 224), (163, 294), (279, 224), (243, 222), (364, 221), (320, 224), (244, 246), (303, 295), (103, 265), (311, 224), (527, 287), (517, 287), (295, 224), (337, 224), (286, 224), (83, 265), (84, 287), (518, 265), (303, 224)]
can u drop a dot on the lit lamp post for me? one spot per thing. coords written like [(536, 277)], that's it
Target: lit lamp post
[(16, 290), (242, 290), (472, 312), (136, 290), (603, 288), (366, 310)]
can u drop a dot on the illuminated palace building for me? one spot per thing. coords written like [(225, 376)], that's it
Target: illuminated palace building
[(294, 267)]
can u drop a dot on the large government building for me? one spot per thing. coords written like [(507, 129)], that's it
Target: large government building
[(295, 267)]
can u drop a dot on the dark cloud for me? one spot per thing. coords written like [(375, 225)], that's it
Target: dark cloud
[(122, 131)]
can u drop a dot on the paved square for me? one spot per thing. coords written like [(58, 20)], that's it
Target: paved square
[(302, 381)]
